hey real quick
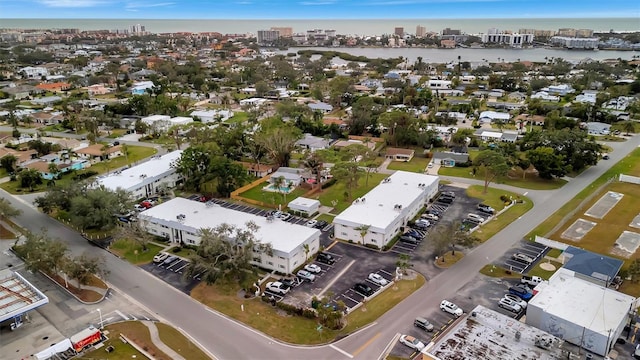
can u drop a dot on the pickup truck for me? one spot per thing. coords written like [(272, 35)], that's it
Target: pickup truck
[(531, 280), (277, 287)]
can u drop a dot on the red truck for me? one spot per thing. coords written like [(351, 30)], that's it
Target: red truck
[(85, 338)]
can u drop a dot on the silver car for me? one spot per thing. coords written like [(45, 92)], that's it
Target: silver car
[(510, 305), (306, 276)]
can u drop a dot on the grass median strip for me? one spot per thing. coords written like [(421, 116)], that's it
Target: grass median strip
[(180, 343)]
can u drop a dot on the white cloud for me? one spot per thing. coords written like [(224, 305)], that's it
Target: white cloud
[(138, 5), (317, 3), (72, 3)]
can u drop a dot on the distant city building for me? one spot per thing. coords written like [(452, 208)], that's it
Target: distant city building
[(448, 43), (538, 33), (449, 31), (566, 32), (399, 31), (584, 33), (300, 38), (575, 43), (285, 32), (267, 36), (421, 31), (137, 29), (495, 36), (581, 33), (330, 33)]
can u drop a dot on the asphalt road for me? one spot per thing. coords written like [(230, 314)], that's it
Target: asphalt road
[(227, 339)]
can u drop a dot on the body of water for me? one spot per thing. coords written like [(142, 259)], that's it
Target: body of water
[(476, 55), (345, 27)]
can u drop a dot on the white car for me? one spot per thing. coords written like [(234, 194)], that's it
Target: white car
[(313, 268), (379, 280), (160, 257), (277, 287), (311, 223), (451, 308), (285, 216), (138, 207), (306, 276), (522, 303), (430, 217), (412, 342)]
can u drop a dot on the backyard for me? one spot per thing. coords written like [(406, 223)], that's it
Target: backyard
[(417, 164), (135, 154), (270, 198), (224, 297)]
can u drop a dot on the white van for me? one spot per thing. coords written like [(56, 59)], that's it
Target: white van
[(475, 218)]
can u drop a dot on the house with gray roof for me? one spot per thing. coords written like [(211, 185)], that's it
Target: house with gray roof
[(449, 159), (313, 143)]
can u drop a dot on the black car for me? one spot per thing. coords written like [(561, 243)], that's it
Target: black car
[(445, 199), (325, 258), (435, 212), (414, 233), (321, 224), (409, 239), (363, 289)]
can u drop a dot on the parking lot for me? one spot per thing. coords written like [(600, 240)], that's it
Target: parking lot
[(173, 274), (531, 249)]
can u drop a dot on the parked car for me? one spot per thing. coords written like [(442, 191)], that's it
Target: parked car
[(277, 287), (475, 217), (412, 342), (325, 258), (486, 209), (517, 299), (409, 239), (435, 212), (151, 201), (605, 157), (312, 223), (285, 216), (306, 276), (377, 279), (431, 217), (449, 194), (277, 214), (522, 292), (138, 207), (445, 199), (320, 224), (510, 305), (451, 308), (423, 324), (290, 281), (636, 353), (522, 258), (169, 260), (418, 234), (363, 289), (146, 204), (313, 268), (531, 280), (160, 257)]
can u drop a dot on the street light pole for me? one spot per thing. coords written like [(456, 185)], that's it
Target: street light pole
[(101, 323)]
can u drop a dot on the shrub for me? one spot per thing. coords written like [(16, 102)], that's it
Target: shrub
[(505, 198), (371, 246), (176, 249), (329, 183), (84, 175)]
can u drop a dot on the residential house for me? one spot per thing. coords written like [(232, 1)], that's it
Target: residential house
[(490, 136), (46, 117), (450, 159), (561, 90), (257, 170), (509, 137), (140, 87), (292, 177), (493, 116), (34, 72), (545, 96), (212, 116), (435, 84), (22, 156), (98, 152), (157, 123), (308, 207), (398, 154), (320, 106), (46, 101), (98, 89), (587, 96), (56, 87), (313, 143), (20, 92)]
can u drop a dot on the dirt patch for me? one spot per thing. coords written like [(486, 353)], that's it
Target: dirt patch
[(6, 233), (85, 295)]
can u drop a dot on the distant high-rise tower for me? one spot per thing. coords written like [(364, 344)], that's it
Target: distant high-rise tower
[(421, 31), (286, 32), (266, 37), (399, 31), (137, 29)]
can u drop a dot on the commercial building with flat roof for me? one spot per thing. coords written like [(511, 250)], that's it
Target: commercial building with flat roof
[(145, 179), (579, 311), (385, 209), (180, 220)]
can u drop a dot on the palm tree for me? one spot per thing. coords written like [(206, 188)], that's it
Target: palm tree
[(364, 230), (628, 127), (279, 182), (53, 170), (306, 249)]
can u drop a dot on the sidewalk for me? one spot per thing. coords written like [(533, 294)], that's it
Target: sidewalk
[(155, 339)]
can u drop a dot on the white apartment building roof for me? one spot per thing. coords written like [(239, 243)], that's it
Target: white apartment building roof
[(581, 302), (378, 207), (132, 177), (282, 235), (153, 118)]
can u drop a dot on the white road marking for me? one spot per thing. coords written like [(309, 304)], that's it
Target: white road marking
[(121, 314), (341, 351), (525, 194), (336, 278)]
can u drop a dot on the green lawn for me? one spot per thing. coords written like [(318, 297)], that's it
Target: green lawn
[(530, 182), (184, 252), (297, 329), (179, 343), (132, 251), (120, 350), (492, 198), (272, 199), (417, 164), (135, 154), (334, 196), (629, 165), (238, 117)]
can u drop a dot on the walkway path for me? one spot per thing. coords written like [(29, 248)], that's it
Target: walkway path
[(155, 339)]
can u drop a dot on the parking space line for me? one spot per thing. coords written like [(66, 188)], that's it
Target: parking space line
[(332, 245), (183, 266), (384, 271), (121, 314), (336, 278), (341, 351)]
